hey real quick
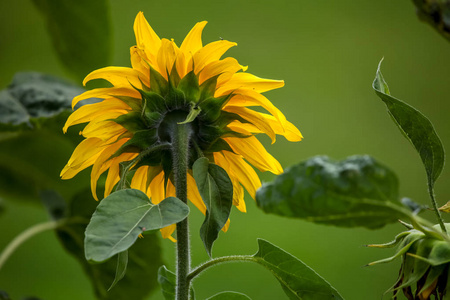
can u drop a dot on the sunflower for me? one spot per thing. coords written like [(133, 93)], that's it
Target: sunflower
[(190, 83)]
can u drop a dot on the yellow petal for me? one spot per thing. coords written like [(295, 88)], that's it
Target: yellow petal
[(244, 172), (113, 173), (238, 192), (248, 81), (157, 188), (254, 152), (104, 93), (193, 40), (89, 112), (103, 129), (139, 62), (211, 52), (194, 195), (243, 97), (146, 38), (103, 163), (139, 180), (227, 67), (166, 57), (117, 76), (253, 117), (167, 232)]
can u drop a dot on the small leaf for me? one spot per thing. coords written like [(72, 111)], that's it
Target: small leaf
[(229, 296), (357, 191), (168, 281), (415, 127), (445, 208), (144, 258), (193, 113), (121, 270), (297, 279), (122, 216), (216, 190), (80, 32)]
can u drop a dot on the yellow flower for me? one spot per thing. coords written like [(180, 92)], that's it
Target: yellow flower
[(167, 81)]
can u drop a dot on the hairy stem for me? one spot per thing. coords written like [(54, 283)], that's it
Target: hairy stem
[(435, 208), (180, 149), (218, 261)]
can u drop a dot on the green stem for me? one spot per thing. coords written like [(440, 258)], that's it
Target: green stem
[(26, 235), (218, 261), (435, 208), (180, 149)]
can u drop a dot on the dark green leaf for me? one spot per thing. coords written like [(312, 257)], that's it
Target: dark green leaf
[(80, 32), (4, 296), (32, 99), (216, 190), (229, 296), (121, 270), (415, 127), (144, 258), (297, 279), (357, 191), (122, 216), (54, 203), (168, 281)]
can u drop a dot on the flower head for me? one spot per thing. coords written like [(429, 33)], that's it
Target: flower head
[(190, 83)]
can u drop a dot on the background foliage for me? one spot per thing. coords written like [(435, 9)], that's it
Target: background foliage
[(327, 53)]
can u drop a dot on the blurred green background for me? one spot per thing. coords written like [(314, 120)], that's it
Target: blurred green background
[(327, 52)]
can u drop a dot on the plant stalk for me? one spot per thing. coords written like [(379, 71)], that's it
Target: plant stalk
[(218, 261), (180, 157), (435, 208)]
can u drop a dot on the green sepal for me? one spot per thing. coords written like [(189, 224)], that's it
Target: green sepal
[(226, 118), (193, 113), (121, 269), (175, 98), (212, 107), (122, 216), (158, 83), (174, 77), (141, 140), (168, 281), (190, 87), (219, 145), (134, 103), (131, 121), (154, 102), (208, 88), (216, 190)]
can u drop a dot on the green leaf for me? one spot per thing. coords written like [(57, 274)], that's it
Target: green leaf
[(122, 216), (144, 258), (168, 281), (297, 279), (216, 190), (357, 191), (121, 270), (229, 296), (33, 109), (415, 127), (80, 32)]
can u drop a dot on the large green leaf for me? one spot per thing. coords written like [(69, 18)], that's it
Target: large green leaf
[(33, 149), (80, 32), (297, 279), (216, 190), (122, 216), (229, 296), (144, 258), (357, 191), (415, 127), (168, 282)]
